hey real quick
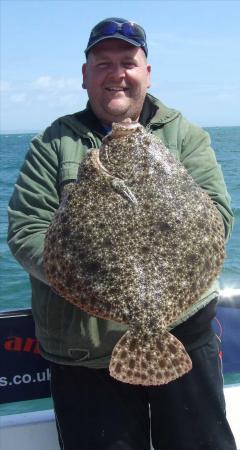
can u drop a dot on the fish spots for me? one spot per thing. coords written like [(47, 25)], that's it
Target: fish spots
[(167, 374), (65, 232), (144, 365), (172, 288), (137, 375), (82, 254), (181, 302), (153, 322), (160, 346), (118, 367), (200, 223), (176, 362), (123, 354), (191, 258), (162, 363), (107, 243), (148, 356), (145, 249), (93, 267), (101, 225), (150, 372), (64, 217), (143, 378), (172, 348), (133, 345), (215, 247), (162, 227), (131, 363)]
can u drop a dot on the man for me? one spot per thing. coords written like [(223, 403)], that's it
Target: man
[(94, 411)]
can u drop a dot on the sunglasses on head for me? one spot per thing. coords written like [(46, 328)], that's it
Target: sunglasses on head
[(127, 29)]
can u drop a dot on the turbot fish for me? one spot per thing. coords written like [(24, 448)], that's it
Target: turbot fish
[(136, 240)]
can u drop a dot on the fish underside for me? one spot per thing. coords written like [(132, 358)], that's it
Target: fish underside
[(136, 240)]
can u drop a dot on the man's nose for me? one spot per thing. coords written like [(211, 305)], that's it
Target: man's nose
[(117, 71)]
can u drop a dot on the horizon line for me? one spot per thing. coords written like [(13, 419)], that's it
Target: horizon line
[(25, 131)]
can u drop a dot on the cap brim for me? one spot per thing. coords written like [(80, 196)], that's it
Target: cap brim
[(115, 36)]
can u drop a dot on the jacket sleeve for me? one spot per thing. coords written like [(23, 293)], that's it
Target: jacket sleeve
[(200, 161), (33, 203)]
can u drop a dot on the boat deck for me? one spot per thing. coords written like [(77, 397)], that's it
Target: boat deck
[(37, 430)]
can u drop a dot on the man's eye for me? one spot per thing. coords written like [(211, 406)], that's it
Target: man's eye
[(129, 65), (102, 65)]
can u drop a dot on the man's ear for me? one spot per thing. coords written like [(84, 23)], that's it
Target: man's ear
[(149, 68), (84, 70)]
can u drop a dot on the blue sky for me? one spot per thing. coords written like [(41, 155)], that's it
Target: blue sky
[(193, 48)]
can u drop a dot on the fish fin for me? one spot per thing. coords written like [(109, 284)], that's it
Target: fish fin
[(152, 362), (121, 188)]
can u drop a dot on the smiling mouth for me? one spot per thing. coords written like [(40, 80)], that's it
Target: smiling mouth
[(116, 89)]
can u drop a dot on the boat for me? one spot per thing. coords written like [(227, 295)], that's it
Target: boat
[(25, 375)]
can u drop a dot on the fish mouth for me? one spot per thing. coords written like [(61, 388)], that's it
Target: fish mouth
[(121, 129)]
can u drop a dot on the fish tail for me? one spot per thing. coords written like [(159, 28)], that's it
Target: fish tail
[(150, 362)]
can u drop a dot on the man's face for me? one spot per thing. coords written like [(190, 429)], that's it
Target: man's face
[(116, 77)]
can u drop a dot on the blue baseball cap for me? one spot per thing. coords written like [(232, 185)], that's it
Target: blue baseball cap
[(116, 28)]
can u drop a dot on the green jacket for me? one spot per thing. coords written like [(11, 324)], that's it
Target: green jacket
[(67, 334)]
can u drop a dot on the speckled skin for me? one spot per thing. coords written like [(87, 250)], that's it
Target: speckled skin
[(136, 240)]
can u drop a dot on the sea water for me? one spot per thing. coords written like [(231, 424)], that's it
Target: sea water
[(14, 283)]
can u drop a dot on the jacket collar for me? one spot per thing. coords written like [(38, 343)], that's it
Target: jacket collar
[(161, 114), (154, 113)]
